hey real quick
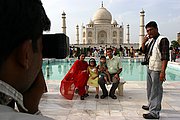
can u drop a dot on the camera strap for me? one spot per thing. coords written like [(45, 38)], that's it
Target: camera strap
[(151, 45)]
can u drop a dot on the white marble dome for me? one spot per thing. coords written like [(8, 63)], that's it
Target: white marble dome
[(101, 16), (91, 22), (114, 22)]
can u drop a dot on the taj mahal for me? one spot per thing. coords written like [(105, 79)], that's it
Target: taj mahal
[(103, 31)]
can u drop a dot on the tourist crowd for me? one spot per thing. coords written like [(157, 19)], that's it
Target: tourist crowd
[(99, 51)]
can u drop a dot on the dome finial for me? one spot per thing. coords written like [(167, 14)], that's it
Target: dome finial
[(102, 3)]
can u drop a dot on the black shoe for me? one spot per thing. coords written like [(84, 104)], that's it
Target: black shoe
[(103, 96), (86, 95), (97, 96), (76, 91), (145, 107), (82, 97), (149, 116), (113, 96)]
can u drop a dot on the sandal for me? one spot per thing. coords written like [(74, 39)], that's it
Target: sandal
[(82, 97), (97, 96)]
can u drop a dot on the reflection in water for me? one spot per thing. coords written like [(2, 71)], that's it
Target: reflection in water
[(132, 70), (59, 69), (49, 70), (172, 76), (55, 70), (65, 68), (142, 72)]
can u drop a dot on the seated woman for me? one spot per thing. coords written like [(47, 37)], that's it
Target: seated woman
[(75, 78)]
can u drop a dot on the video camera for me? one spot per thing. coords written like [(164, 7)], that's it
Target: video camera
[(55, 45)]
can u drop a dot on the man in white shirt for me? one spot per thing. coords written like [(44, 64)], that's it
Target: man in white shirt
[(115, 68)]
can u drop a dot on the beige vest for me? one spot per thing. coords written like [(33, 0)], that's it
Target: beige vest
[(155, 62)]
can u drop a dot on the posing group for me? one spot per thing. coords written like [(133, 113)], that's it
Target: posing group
[(82, 75)]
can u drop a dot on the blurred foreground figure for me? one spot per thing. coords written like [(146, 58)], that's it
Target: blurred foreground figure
[(22, 23)]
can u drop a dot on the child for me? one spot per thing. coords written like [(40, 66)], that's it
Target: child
[(103, 70), (93, 77)]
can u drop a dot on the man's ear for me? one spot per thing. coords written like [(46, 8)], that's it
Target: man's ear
[(24, 54)]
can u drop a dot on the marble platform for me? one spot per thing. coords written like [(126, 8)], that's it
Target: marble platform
[(126, 107)]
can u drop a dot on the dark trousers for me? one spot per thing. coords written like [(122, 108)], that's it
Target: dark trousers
[(114, 86)]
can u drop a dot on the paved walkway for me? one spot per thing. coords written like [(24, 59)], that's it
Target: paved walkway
[(127, 107)]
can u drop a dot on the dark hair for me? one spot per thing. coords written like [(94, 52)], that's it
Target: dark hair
[(92, 60), (151, 24), (20, 20), (103, 57), (109, 49), (80, 55)]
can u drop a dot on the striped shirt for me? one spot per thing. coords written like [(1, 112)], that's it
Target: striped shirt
[(164, 49), (8, 93)]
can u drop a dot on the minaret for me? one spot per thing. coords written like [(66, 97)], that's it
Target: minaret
[(128, 38), (77, 34), (141, 34), (64, 22), (81, 32)]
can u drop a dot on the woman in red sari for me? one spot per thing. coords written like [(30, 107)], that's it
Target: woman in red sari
[(75, 78)]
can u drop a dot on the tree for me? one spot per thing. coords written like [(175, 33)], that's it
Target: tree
[(175, 44)]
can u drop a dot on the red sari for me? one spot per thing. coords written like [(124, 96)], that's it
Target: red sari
[(75, 78)]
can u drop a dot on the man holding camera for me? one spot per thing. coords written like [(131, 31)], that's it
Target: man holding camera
[(22, 23), (156, 49)]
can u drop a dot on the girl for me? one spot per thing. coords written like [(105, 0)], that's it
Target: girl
[(93, 77)]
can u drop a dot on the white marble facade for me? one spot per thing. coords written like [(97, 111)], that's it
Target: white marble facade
[(102, 29)]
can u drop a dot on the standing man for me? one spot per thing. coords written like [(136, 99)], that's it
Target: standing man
[(22, 82), (114, 68), (121, 51), (156, 49)]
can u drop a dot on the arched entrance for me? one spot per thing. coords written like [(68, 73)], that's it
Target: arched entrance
[(102, 37)]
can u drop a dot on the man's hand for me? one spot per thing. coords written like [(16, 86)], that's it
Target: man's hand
[(84, 71), (162, 76), (32, 96), (163, 69), (117, 76), (145, 39)]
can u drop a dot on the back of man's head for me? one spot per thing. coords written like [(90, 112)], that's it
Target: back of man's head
[(20, 20)]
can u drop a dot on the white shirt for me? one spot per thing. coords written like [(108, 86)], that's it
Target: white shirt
[(113, 64)]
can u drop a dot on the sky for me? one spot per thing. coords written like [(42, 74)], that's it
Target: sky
[(80, 12)]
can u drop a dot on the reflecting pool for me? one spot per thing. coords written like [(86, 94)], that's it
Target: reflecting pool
[(132, 70)]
